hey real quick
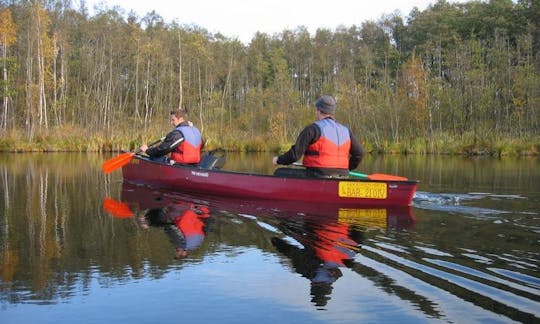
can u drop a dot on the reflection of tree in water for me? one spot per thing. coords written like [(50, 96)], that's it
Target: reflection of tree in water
[(326, 248)]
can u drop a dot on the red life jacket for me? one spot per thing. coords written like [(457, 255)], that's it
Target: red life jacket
[(189, 151), (190, 223), (334, 243), (332, 149), (192, 227)]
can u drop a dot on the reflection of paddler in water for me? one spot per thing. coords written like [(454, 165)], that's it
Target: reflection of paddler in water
[(184, 225), (327, 248)]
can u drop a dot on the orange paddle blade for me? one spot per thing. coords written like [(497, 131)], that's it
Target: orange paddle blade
[(117, 162), (116, 208), (385, 177)]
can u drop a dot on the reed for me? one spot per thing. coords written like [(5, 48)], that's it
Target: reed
[(76, 139)]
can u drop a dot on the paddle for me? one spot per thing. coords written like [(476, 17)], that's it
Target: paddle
[(116, 208), (374, 176), (122, 159), (378, 176)]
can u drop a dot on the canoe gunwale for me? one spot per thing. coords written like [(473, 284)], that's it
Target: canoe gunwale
[(238, 173), (142, 170)]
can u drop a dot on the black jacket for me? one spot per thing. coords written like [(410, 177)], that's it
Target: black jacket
[(169, 144)]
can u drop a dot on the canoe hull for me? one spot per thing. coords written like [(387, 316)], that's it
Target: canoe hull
[(141, 197), (255, 186)]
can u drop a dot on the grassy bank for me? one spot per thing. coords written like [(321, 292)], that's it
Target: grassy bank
[(466, 145), (71, 139)]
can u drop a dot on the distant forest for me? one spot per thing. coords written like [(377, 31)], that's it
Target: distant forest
[(465, 73)]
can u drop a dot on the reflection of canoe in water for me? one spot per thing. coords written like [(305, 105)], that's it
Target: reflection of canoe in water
[(142, 197), (342, 192)]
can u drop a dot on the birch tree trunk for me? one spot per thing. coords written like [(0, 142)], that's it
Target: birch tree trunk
[(63, 83), (5, 100), (180, 84), (136, 101), (146, 94), (41, 25), (200, 96), (29, 91), (8, 37), (55, 83)]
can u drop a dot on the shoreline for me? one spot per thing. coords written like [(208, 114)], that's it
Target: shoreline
[(71, 140)]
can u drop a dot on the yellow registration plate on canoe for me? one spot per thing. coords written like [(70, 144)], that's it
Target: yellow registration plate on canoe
[(363, 217), (372, 190)]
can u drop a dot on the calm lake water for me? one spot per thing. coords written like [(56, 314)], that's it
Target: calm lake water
[(80, 246)]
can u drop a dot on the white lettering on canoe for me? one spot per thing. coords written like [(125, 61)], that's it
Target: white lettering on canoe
[(200, 174)]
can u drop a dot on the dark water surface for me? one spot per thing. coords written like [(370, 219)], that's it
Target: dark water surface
[(80, 246)]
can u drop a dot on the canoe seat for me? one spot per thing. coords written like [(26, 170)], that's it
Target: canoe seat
[(214, 159)]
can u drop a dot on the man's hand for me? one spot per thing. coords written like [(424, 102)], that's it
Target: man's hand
[(143, 148), (180, 253)]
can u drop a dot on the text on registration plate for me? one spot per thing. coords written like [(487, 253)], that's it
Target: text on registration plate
[(374, 190), (363, 217)]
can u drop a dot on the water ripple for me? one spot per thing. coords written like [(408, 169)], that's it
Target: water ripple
[(451, 202), (444, 305), (432, 251), (485, 276), (503, 297), (528, 280)]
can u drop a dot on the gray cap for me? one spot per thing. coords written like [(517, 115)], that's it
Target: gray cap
[(326, 105)]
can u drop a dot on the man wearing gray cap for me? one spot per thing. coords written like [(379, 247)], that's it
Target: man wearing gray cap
[(329, 148)]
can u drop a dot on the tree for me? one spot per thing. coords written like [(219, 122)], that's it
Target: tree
[(8, 37), (454, 68), (413, 97)]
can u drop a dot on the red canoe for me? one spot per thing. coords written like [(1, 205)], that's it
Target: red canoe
[(343, 192), (139, 197)]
